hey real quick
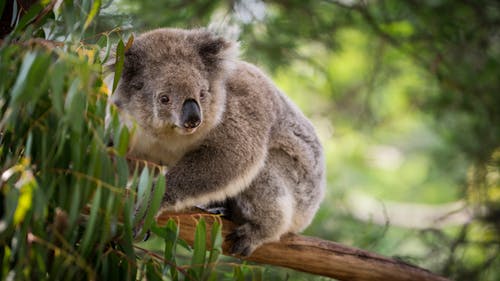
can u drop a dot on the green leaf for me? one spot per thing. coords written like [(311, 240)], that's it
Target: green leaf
[(213, 276), (26, 185), (216, 237), (96, 5), (110, 215), (5, 261), (122, 170), (123, 140), (257, 274), (57, 84), (32, 79), (184, 245), (135, 179), (238, 274), (128, 211), (75, 106), (27, 18), (76, 199), (143, 195), (154, 206), (90, 231), (153, 272), (216, 242), (170, 235), (199, 252), (144, 182), (100, 43), (29, 144), (120, 57), (22, 77)]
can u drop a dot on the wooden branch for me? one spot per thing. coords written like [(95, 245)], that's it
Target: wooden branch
[(309, 254)]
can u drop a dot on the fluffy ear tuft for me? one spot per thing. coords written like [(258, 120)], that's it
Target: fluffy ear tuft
[(216, 52)]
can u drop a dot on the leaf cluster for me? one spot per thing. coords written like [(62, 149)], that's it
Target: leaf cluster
[(72, 205)]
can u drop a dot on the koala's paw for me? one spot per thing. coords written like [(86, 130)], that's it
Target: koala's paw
[(216, 210), (243, 240)]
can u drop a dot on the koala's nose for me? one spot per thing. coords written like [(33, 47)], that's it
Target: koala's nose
[(191, 116)]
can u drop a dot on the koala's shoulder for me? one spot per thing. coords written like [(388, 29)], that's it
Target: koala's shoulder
[(251, 97), (248, 80)]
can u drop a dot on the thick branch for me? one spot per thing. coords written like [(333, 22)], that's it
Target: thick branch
[(313, 255)]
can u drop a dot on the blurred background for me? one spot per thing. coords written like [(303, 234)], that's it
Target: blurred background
[(405, 96)]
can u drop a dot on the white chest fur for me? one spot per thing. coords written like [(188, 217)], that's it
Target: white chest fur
[(160, 150)]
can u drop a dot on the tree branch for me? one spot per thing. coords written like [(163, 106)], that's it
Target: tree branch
[(309, 254)]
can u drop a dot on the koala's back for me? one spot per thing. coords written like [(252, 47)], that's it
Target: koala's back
[(257, 109)]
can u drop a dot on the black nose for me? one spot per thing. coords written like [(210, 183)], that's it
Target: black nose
[(191, 116)]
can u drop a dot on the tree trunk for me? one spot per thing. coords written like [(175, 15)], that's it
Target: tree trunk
[(309, 254)]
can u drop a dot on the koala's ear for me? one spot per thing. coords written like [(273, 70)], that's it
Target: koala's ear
[(216, 51)]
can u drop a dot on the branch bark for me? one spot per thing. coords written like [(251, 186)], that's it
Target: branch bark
[(309, 254)]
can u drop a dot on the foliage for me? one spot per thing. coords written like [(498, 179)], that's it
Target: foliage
[(71, 205)]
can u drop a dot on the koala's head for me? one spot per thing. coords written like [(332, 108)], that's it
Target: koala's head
[(172, 81)]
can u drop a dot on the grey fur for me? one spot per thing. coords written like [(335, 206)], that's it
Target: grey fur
[(254, 150)]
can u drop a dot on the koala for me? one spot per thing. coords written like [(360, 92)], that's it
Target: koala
[(224, 131)]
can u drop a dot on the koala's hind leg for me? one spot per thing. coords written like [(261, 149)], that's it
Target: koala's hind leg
[(264, 211)]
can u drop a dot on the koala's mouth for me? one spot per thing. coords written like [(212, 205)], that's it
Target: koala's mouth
[(182, 130)]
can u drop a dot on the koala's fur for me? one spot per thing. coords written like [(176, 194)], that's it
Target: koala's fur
[(253, 151)]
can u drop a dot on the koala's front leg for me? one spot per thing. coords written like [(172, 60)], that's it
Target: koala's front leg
[(211, 173), (264, 211)]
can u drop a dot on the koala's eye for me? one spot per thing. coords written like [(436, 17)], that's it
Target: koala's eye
[(163, 99), (137, 85)]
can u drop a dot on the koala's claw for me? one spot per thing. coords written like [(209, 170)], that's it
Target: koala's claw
[(240, 250), (218, 210), (243, 243)]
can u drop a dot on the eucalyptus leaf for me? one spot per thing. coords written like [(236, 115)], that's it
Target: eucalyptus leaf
[(199, 250), (30, 15), (123, 141), (57, 76), (96, 5), (144, 195), (91, 226), (21, 80), (215, 251), (120, 57), (155, 201)]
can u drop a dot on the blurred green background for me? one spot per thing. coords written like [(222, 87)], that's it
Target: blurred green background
[(405, 96)]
